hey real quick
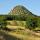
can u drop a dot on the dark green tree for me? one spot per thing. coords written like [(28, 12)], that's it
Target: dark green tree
[(32, 23)]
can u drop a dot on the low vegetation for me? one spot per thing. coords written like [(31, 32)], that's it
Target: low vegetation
[(20, 21)]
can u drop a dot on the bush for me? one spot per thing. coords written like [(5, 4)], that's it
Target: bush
[(3, 24), (31, 24)]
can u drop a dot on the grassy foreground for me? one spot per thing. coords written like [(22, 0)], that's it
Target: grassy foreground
[(19, 35)]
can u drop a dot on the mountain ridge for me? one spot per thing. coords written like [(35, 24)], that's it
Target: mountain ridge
[(19, 9)]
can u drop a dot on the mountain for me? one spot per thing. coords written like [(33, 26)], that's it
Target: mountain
[(20, 10), (22, 16)]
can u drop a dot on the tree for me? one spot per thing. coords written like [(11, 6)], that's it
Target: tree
[(32, 23)]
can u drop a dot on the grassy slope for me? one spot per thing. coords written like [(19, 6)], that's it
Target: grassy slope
[(17, 23), (22, 35), (25, 35), (5, 36)]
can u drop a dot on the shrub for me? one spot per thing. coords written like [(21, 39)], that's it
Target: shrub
[(31, 24)]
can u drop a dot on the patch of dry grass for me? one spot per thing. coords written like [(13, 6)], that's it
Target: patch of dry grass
[(24, 35)]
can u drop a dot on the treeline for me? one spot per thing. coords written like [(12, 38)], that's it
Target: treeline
[(15, 17), (31, 21)]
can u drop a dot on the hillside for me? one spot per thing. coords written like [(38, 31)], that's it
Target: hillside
[(20, 10), (19, 24), (21, 14)]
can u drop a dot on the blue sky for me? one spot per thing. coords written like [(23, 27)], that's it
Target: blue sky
[(31, 5)]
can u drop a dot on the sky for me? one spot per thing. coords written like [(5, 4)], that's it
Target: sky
[(32, 5)]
